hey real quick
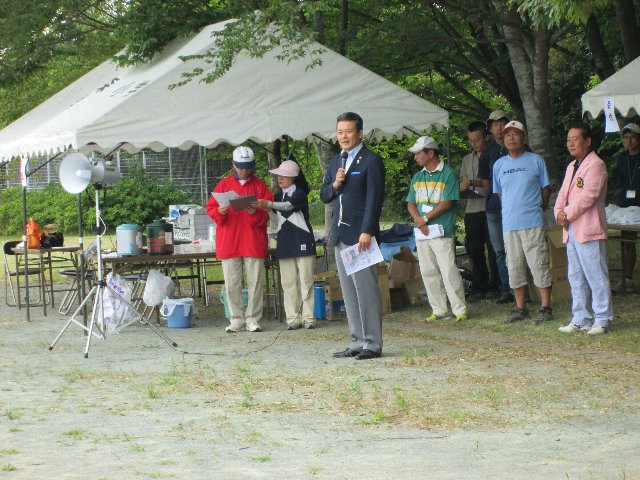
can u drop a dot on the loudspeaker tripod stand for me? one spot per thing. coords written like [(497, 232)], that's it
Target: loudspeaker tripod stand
[(96, 325)]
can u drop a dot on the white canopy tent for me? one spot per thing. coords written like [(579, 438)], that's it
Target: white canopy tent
[(259, 99), (623, 87)]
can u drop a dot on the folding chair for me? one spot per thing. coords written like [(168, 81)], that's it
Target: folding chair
[(9, 274)]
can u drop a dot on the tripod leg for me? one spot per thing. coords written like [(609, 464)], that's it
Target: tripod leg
[(100, 334), (140, 318)]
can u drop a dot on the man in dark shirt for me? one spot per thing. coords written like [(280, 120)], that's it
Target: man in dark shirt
[(629, 195), (496, 149)]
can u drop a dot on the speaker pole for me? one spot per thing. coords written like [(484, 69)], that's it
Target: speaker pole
[(82, 277)]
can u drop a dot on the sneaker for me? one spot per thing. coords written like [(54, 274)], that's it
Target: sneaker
[(517, 314), (627, 286), (294, 326), (433, 317), (234, 328), (544, 315), (597, 330), (310, 326), (505, 297), (571, 328), (461, 317), (254, 328)]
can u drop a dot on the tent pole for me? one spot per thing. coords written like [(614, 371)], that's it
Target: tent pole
[(26, 252), (27, 174)]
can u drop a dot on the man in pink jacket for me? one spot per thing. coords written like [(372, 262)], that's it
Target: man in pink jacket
[(580, 210)]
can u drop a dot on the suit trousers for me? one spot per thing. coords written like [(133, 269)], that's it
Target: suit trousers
[(441, 276), (363, 304), (232, 271), (296, 276), (589, 280)]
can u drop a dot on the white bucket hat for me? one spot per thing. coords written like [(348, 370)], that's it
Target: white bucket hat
[(288, 168)]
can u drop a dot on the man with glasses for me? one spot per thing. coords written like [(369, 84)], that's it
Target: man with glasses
[(241, 241)]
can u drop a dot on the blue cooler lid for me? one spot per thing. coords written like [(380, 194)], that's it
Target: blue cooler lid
[(129, 226)]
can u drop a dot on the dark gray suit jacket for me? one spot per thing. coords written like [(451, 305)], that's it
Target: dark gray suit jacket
[(357, 205)]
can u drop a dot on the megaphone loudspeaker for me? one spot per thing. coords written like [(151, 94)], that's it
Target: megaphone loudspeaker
[(75, 173)]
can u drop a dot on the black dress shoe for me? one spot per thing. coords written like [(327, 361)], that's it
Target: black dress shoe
[(367, 354), (348, 353)]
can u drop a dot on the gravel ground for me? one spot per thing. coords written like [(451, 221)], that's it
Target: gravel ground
[(257, 408)]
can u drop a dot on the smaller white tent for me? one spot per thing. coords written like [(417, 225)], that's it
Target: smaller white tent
[(623, 87), (259, 99)]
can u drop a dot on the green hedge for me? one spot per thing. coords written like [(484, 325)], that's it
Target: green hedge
[(138, 198)]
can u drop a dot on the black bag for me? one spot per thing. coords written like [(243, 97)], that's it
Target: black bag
[(50, 240)]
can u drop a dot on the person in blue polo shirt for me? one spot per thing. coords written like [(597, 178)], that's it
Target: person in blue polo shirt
[(522, 181)]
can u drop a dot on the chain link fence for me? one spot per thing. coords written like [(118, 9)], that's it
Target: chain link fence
[(190, 170)]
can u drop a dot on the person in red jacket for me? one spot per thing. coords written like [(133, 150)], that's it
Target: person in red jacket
[(241, 240)]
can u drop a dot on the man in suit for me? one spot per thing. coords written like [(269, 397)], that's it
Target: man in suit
[(354, 182)]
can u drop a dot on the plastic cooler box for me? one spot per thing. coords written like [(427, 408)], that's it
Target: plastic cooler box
[(178, 311), (223, 299)]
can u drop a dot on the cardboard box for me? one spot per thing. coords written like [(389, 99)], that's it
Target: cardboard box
[(416, 293), (205, 246), (560, 291), (383, 285), (333, 292), (404, 267), (399, 298), (557, 249)]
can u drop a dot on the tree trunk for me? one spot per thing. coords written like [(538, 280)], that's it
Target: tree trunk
[(274, 157), (318, 26), (626, 15), (529, 52), (344, 24), (601, 59)]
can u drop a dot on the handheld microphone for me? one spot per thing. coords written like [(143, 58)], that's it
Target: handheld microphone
[(344, 159)]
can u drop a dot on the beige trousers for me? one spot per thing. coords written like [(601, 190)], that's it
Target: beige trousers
[(232, 271), (296, 276), (441, 276)]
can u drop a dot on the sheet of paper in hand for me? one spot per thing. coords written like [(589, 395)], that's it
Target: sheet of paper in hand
[(354, 261), (435, 231), (240, 203)]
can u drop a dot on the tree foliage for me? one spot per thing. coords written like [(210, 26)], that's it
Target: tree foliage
[(135, 199)]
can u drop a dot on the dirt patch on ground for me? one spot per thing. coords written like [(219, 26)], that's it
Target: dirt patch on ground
[(446, 401)]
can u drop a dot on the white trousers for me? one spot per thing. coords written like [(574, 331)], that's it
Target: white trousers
[(232, 271), (441, 276), (296, 277), (589, 280)]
